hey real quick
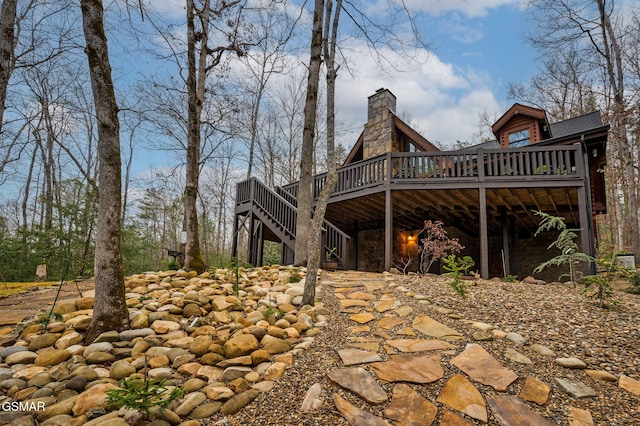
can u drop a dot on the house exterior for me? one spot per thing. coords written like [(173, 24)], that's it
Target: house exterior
[(394, 178)]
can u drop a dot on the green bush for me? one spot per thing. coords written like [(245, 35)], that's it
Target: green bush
[(143, 395), (570, 253), (456, 268)]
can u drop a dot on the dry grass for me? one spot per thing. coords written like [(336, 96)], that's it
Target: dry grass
[(7, 289)]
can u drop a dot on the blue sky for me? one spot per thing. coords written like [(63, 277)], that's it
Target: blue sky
[(478, 48)]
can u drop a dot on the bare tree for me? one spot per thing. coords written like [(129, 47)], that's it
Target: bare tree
[(262, 62), (595, 31), (330, 31), (110, 309), (324, 45), (303, 228), (7, 46)]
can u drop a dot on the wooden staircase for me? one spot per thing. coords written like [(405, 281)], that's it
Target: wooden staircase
[(277, 211)]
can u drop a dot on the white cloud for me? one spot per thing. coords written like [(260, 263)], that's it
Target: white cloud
[(167, 8), (443, 101), (471, 8)]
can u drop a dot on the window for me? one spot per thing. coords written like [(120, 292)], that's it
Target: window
[(409, 147), (520, 138)]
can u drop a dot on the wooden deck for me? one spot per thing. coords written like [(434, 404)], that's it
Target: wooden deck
[(480, 192)]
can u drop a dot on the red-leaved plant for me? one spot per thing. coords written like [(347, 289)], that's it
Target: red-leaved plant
[(434, 244)]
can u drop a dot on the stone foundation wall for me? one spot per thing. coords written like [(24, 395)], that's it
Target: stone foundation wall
[(371, 250)]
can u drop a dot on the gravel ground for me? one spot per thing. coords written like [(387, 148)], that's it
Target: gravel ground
[(555, 315)]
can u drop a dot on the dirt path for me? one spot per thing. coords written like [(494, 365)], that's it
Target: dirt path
[(16, 307)]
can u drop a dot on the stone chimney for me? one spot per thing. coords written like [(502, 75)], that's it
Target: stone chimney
[(379, 135)]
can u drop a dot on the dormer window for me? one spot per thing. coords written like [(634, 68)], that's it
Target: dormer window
[(519, 138)]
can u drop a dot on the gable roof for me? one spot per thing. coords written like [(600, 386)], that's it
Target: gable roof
[(519, 109), (416, 138)]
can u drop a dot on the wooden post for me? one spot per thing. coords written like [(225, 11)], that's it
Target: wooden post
[(234, 241), (250, 245), (484, 240), (388, 230), (505, 243), (586, 236)]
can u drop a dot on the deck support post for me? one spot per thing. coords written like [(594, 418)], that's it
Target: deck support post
[(586, 235), (388, 229), (234, 241), (250, 244), (505, 244), (484, 240)]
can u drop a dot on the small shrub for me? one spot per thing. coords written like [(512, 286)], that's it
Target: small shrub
[(47, 317), (509, 279), (403, 264), (143, 395), (435, 245), (295, 276), (634, 279), (570, 253), (599, 286), (456, 268)]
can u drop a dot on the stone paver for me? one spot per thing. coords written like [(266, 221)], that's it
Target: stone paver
[(426, 325), (460, 394), (352, 356), (510, 411), (418, 345), (359, 381), (408, 408), (356, 416), (409, 368), (483, 368)]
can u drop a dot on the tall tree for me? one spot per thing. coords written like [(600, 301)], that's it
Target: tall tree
[(7, 46), (324, 44), (303, 228), (110, 309), (329, 43), (595, 30), (201, 60)]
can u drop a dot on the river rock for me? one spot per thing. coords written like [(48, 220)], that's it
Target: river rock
[(95, 396), (190, 402), (23, 357), (243, 344), (68, 339), (43, 341), (238, 402), (570, 363), (51, 356)]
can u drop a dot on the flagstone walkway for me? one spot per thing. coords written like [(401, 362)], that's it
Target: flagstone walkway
[(391, 346)]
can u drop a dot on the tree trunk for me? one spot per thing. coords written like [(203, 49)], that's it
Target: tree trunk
[(330, 39), (110, 309), (7, 44), (195, 95), (615, 71), (303, 220)]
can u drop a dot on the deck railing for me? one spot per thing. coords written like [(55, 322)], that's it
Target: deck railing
[(280, 206), (528, 163)]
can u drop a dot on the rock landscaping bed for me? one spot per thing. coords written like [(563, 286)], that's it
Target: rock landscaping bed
[(189, 330), (377, 349)]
